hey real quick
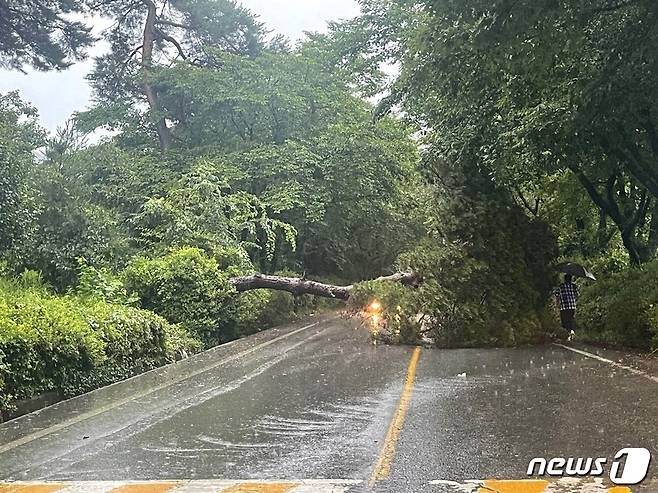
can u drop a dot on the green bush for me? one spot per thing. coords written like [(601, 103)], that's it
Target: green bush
[(233, 260), (43, 338), (134, 341), (192, 288), (251, 307), (186, 286), (70, 345), (101, 284), (621, 309)]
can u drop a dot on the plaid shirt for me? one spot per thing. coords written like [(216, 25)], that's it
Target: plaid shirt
[(567, 295)]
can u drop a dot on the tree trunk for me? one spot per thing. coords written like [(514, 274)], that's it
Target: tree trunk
[(164, 133), (626, 223), (297, 285), (629, 243), (603, 235)]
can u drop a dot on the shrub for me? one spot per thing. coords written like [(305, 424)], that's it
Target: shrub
[(186, 286), (621, 309), (134, 341), (43, 338), (282, 306), (100, 284), (192, 288), (251, 307), (233, 260), (70, 345), (31, 279)]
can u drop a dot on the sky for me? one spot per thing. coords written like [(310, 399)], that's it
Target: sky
[(58, 94)]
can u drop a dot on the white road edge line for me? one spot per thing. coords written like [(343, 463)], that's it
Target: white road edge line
[(81, 417), (630, 369)]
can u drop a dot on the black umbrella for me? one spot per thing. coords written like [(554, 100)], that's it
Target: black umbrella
[(575, 270)]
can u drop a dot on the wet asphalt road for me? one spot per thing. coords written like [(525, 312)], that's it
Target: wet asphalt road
[(316, 401)]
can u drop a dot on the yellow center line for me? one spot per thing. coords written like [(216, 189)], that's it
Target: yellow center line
[(383, 467)]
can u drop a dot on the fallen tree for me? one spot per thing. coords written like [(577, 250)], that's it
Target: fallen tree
[(300, 285)]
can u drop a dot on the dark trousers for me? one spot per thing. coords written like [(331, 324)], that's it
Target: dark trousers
[(567, 319)]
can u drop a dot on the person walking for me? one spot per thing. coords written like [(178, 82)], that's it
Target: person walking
[(567, 296)]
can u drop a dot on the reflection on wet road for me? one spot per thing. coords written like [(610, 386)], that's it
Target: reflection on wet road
[(317, 402)]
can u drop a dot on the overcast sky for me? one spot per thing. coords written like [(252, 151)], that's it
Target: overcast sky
[(58, 94)]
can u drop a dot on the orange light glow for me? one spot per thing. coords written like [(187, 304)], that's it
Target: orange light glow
[(375, 306)]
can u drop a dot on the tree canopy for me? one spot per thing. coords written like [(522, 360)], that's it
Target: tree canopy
[(42, 34), (529, 90)]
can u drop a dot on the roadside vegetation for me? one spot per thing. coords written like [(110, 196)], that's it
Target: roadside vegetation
[(540, 108), (512, 137), (622, 309), (71, 344)]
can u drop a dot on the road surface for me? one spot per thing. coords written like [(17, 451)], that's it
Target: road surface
[(316, 407)]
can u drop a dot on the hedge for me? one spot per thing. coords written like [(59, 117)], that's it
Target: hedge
[(92, 337), (70, 345)]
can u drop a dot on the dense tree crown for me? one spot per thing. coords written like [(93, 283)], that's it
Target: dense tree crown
[(42, 34), (546, 94)]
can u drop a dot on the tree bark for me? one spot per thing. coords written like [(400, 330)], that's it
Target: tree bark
[(652, 243), (630, 158), (627, 227), (164, 133), (298, 285)]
